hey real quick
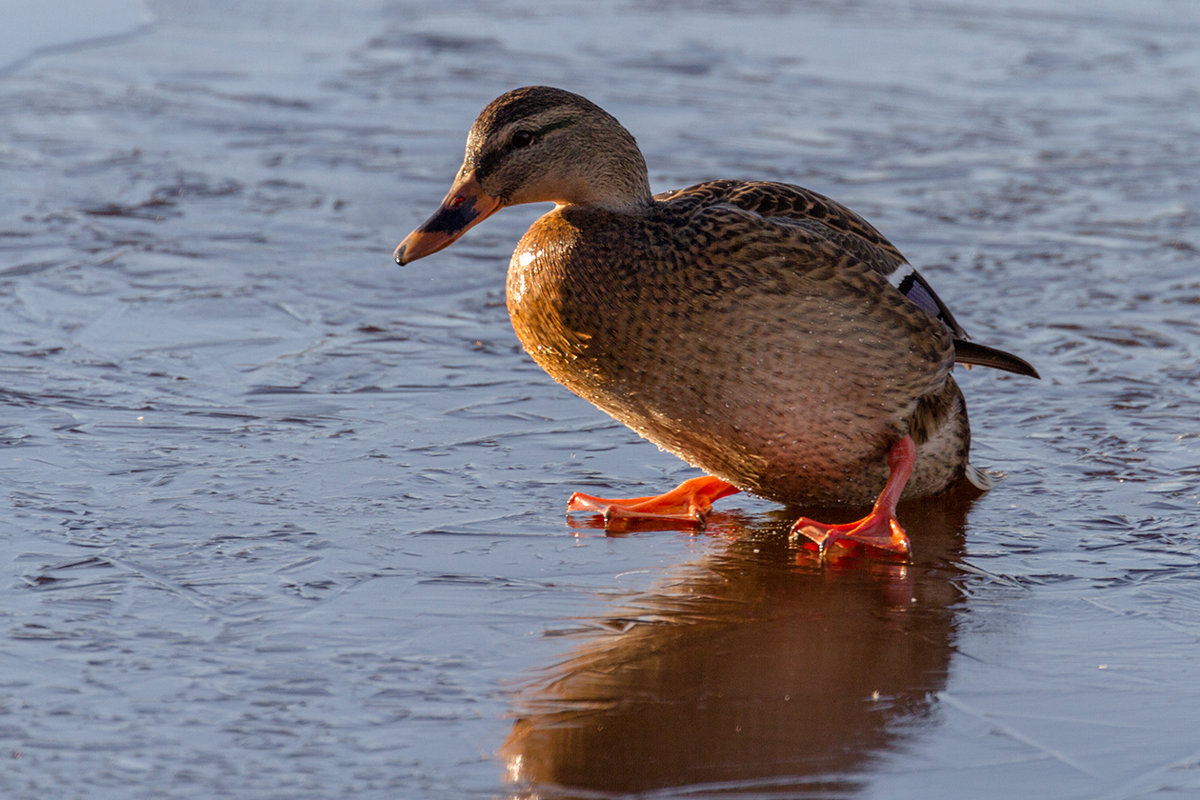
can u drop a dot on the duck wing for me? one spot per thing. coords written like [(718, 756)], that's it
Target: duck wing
[(788, 203), (797, 207)]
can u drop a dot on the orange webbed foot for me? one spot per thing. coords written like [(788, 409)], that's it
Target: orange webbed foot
[(690, 501), (874, 531), (879, 530)]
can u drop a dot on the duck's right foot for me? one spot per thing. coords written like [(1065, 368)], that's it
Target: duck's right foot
[(690, 501)]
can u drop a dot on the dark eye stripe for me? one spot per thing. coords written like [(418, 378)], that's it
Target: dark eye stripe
[(490, 160)]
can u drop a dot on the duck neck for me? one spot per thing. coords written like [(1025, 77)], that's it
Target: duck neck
[(621, 183)]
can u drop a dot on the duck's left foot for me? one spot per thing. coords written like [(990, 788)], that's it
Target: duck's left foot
[(690, 501), (874, 531), (879, 530)]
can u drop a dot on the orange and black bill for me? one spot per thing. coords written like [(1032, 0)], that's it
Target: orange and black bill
[(465, 206)]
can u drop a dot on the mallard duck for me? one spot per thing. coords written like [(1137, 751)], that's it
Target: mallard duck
[(760, 331)]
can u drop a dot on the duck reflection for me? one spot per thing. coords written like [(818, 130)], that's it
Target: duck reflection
[(757, 667)]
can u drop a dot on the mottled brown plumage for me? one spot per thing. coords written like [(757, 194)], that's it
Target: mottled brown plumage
[(760, 331), (761, 353)]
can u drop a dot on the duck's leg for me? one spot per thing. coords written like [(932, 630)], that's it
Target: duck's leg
[(879, 529), (690, 501)]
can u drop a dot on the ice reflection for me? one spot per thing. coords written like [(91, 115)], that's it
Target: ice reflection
[(756, 667)]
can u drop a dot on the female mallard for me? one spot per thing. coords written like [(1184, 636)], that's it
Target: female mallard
[(761, 332)]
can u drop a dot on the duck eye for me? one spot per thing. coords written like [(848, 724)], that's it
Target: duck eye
[(522, 139)]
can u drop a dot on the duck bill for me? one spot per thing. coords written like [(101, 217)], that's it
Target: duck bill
[(465, 206)]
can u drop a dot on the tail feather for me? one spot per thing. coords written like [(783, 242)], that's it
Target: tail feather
[(966, 352)]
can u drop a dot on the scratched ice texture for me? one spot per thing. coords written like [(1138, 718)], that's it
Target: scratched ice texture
[(281, 520)]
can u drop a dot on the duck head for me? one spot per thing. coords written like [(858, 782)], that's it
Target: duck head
[(532, 145)]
